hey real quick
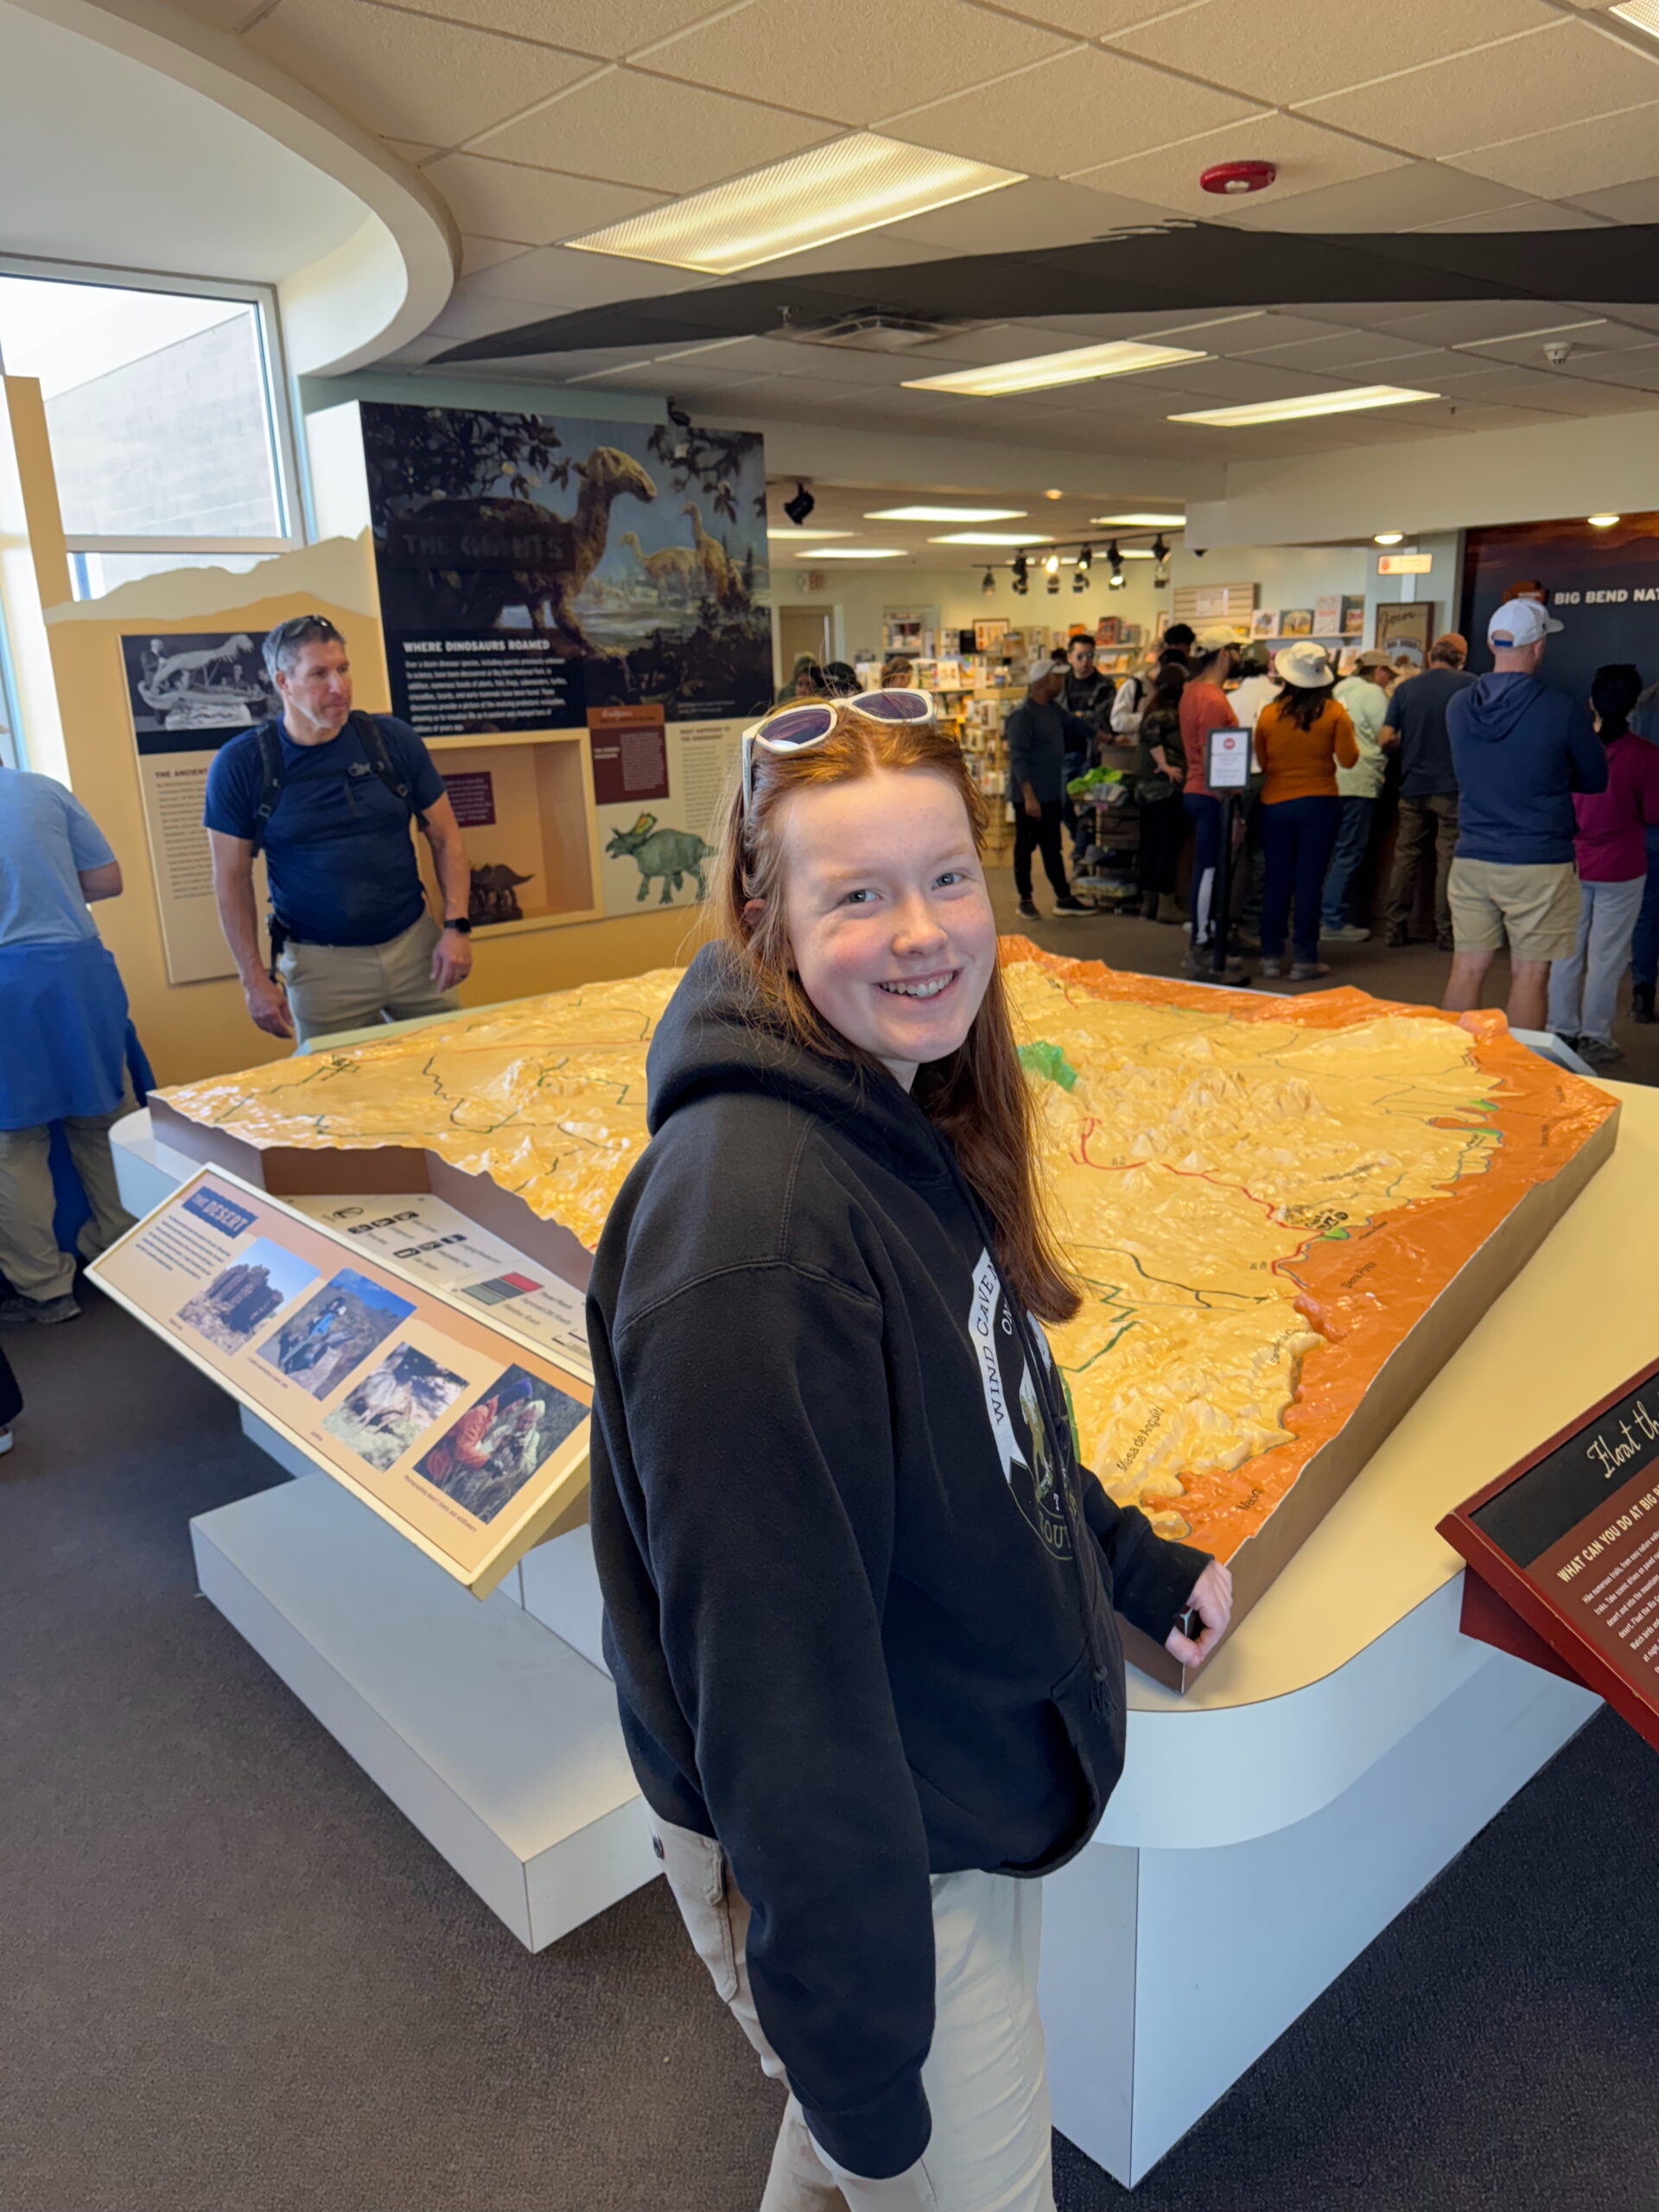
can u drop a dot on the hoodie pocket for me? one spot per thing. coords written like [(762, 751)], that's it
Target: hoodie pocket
[(1096, 1738)]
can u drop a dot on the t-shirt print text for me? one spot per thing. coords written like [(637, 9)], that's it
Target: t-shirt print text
[(1014, 1409)]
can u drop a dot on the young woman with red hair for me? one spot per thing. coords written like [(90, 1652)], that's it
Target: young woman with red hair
[(859, 1590)]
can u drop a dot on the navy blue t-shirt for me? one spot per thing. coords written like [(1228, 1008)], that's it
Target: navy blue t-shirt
[(338, 851)]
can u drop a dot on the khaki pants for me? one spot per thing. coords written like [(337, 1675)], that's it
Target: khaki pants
[(28, 1246), (336, 986), (991, 2148)]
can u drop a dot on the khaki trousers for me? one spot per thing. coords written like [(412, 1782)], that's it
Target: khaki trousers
[(1426, 826), (336, 986), (28, 1246), (991, 2149)]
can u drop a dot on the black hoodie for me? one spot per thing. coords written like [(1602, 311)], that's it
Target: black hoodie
[(834, 1501)]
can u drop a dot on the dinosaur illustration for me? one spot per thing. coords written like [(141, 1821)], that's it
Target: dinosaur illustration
[(676, 571), (725, 580), (476, 560), (665, 854)]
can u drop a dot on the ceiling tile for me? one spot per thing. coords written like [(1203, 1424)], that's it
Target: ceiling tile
[(645, 130), (1469, 320), (1637, 202), (555, 279), (535, 206), (1396, 200), (884, 249), (1275, 333), (1290, 54), (649, 377), (1520, 215), (1568, 72), (1644, 317), (1306, 157), (1093, 18), (1027, 217), (479, 254), (608, 28), (1638, 370), (1569, 161), (839, 61), (1602, 340), (1071, 114), (1391, 360), (407, 75)]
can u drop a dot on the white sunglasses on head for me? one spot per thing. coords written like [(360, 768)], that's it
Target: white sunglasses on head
[(800, 729)]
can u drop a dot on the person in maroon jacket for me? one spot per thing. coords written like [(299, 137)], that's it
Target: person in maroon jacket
[(1612, 859)]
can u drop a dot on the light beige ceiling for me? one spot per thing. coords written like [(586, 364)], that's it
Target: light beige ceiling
[(538, 120)]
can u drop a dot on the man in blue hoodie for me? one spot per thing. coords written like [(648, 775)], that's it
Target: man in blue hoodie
[(1521, 751)]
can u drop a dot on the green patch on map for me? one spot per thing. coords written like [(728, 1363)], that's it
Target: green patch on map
[(1048, 1060)]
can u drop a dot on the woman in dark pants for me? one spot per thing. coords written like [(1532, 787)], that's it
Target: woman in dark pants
[(1300, 737), (1160, 772), (11, 1403)]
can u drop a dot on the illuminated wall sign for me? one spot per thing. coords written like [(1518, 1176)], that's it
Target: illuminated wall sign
[(1405, 564)]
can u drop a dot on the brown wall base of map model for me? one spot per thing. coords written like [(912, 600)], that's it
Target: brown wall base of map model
[(293, 1171), (1412, 1365)]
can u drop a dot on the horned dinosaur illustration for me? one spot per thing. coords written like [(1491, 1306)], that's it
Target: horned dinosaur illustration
[(664, 854)]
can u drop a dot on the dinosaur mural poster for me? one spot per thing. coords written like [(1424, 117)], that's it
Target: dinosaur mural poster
[(532, 568)]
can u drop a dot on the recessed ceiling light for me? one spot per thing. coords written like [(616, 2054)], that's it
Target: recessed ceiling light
[(1053, 495), (1603, 522), (857, 553), (1325, 403), (943, 514), (1640, 15), (854, 184), (989, 538), (1389, 537), (1123, 357), (1139, 522), (806, 536)]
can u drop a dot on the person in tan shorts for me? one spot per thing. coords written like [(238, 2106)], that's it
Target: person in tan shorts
[(1521, 751)]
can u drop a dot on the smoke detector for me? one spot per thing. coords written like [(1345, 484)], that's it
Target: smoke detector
[(1232, 178), (1558, 353)]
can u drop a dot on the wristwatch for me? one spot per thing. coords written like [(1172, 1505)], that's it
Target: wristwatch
[(464, 926)]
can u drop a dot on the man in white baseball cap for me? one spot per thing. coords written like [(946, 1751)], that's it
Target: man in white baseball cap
[(1520, 750)]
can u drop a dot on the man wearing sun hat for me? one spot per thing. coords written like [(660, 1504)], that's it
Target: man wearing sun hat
[(1520, 750)]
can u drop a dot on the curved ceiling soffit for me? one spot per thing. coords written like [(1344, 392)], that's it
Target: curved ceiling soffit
[(404, 278), (1173, 268)]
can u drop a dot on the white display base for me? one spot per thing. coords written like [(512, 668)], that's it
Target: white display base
[(486, 1731), (1167, 1972)]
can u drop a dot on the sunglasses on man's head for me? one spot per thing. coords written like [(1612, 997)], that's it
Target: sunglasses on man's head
[(798, 729)]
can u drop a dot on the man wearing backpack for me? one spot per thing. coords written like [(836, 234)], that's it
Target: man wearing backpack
[(328, 796)]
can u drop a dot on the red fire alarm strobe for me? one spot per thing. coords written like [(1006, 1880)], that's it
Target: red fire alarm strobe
[(1238, 176)]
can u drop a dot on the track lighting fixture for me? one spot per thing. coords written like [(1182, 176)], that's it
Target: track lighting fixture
[(1021, 573), (989, 584), (1160, 548), (800, 506)]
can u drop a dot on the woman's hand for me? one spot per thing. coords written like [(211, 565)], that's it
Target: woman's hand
[(1212, 1600)]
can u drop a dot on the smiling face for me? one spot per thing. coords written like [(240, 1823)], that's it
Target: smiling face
[(889, 922)]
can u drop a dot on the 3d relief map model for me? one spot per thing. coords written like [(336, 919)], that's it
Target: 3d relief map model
[(1261, 1195)]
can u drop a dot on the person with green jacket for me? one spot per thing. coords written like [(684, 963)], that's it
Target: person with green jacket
[(1365, 694)]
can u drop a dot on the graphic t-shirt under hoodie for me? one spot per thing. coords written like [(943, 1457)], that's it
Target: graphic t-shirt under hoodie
[(837, 1510), (1521, 751)]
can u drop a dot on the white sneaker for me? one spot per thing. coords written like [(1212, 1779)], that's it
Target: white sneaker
[(1350, 933), (7, 1439)]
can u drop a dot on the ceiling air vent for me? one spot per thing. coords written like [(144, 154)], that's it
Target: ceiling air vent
[(878, 330)]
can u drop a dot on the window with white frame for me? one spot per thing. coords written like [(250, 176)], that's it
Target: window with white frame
[(168, 418)]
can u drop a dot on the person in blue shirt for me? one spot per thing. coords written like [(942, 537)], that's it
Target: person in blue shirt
[(1520, 751), (63, 1016), (356, 945)]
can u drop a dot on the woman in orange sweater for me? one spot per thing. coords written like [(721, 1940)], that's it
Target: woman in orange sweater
[(1300, 737)]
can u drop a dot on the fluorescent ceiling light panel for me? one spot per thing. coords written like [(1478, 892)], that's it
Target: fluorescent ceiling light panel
[(1358, 397), (856, 553), (854, 184), (1640, 15), (1137, 522), (1123, 357), (944, 514), (807, 537), (988, 537)]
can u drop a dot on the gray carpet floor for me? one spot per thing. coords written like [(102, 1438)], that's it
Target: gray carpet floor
[(232, 1978)]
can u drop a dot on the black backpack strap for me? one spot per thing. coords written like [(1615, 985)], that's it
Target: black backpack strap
[(375, 753), (271, 772)]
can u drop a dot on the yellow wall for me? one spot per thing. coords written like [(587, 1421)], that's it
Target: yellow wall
[(190, 1030)]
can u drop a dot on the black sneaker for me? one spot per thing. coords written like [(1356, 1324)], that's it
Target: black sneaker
[(44, 1312), (1071, 906), (1027, 912), (1642, 1002)]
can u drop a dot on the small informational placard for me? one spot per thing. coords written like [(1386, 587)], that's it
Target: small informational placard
[(187, 692), (471, 1442), (1569, 1541), (472, 793), (1405, 564), (630, 753), (431, 1243), (1227, 760)]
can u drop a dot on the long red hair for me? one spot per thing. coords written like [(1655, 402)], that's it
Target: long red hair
[(978, 1098)]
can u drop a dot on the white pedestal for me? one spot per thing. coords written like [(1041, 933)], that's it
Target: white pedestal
[(488, 1731)]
